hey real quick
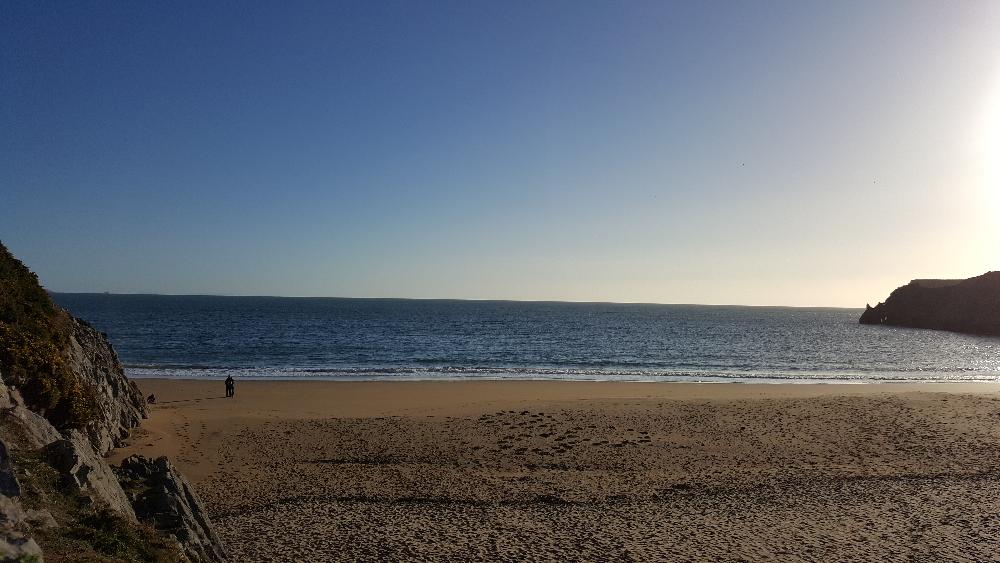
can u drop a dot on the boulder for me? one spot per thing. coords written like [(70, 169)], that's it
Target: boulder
[(41, 519), (11, 512), (164, 498), (82, 469), (15, 546)]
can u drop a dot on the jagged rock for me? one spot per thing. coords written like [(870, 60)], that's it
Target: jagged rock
[(35, 430), (75, 453), (32, 430), (41, 519), (120, 405), (971, 306), (11, 511), (873, 315), (15, 546), (165, 498), (81, 467), (8, 480)]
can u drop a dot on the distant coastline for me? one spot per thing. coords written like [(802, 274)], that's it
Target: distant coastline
[(446, 300)]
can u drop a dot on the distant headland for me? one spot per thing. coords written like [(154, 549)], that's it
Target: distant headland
[(970, 306)]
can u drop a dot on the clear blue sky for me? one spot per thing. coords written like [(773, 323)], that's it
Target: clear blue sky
[(800, 153)]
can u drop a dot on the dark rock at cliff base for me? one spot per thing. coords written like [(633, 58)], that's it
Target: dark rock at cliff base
[(970, 306), (8, 481), (162, 496)]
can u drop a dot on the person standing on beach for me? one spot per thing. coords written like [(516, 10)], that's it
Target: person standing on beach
[(230, 386)]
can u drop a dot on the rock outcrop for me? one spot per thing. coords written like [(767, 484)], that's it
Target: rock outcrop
[(30, 429), (81, 468), (120, 406), (164, 497), (15, 545), (64, 403), (970, 306), (71, 452)]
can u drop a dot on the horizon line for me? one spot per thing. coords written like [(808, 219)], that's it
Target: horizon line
[(483, 300)]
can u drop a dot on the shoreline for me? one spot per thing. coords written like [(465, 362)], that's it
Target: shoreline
[(719, 379), (572, 389)]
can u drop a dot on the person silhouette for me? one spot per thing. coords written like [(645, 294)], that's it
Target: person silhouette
[(230, 386)]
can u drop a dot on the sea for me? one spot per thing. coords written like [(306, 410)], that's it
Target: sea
[(363, 339)]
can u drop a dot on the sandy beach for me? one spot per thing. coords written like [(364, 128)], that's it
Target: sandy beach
[(320, 470)]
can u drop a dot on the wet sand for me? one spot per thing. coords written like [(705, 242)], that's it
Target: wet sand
[(552, 470)]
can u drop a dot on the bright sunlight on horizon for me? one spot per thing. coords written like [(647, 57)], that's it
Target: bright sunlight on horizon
[(779, 153)]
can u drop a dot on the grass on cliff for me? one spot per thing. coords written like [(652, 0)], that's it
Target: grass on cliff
[(87, 531), (34, 335), (111, 535)]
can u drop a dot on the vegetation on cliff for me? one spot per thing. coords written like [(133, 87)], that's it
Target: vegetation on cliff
[(64, 402), (83, 530), (34, 334)]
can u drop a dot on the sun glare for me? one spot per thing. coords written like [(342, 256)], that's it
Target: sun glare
[(990, 162)]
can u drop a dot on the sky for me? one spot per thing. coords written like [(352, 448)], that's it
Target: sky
[(759, 153)]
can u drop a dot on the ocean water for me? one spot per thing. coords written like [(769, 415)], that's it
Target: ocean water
[(278, 337)]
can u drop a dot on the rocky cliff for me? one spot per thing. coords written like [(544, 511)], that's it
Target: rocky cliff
[(118, 404), (64, 403), (164, 498), (970, 306)]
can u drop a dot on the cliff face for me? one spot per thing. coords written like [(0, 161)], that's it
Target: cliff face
[(970, 306), (119, 406), (64, 403)]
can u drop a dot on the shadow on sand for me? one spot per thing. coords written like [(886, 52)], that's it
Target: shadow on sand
[(196, 400)]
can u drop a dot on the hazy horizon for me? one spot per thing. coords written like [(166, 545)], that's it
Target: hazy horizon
[(376, 298), (775, 154)]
